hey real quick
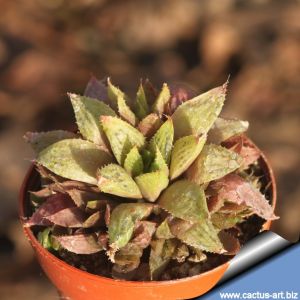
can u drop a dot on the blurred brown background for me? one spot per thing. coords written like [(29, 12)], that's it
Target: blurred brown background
[(50, 47)]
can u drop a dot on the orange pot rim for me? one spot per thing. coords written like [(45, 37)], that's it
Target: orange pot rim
[(62, 264)]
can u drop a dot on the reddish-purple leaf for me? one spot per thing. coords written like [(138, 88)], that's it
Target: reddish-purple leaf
[(239, 144), (103, 240), (107, 214), (80, 243), (96, 89), (71, 217), (214, 203), (78, 191), (82, 186), (47, 174), (150, 91), (80, 198), (149, 125), (179, 94), (229, 208), (43, 193), (235, 189), (230, 243), (51, 206), (143, 233)]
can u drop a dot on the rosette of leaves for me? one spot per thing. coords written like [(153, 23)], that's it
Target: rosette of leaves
[(149, 180)]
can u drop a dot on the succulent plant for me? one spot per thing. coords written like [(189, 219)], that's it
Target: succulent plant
[(151, 181)]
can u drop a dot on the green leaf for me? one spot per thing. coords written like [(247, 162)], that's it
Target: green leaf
[(41, 140), (159, 163), (119, 102), (201, 235), (196, 116), (185, 200), (148, 157), (95, 205), (162, 100), (141, 105), (87, 113), (123, 220), (74, 159), (125, 112), (163, 231), (213, 162), (143, 233), (163, 139), (113, 179), (44, 238), (152, 184), (225, 221), (149, 125), (161, 253), (133, 163), (114, 93), (223, 129), (122, 136), (185, 151)]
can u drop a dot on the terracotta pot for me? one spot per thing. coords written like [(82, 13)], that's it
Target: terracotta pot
[(80, 285)]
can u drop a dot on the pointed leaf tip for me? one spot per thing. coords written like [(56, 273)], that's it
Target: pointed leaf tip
[(72, 217), (51, 206), (141, 104), (162, 100), (87, 113), (119, 101), (235, 189), (196, 116), (163, 231), (163, 139), (80, 243), (159, 164), (149, 125), (96, 89), (133, 163), (41, 140), (74, 159)]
